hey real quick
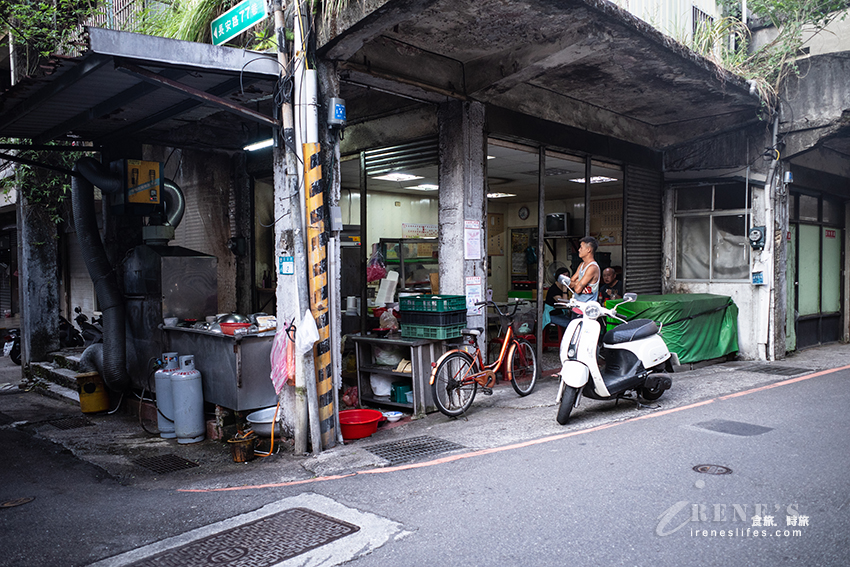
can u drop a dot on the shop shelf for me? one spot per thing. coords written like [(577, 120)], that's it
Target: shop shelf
[(427, 332), (434, 319), (432, 303)]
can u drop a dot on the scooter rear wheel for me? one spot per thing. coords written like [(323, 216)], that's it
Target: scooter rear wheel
[(568, 400)]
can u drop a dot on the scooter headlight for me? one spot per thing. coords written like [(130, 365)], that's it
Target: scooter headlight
[(592, 311)]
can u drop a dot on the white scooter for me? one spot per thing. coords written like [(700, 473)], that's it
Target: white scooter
[(635, 357)]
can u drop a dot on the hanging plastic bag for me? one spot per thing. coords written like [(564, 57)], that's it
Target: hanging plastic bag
[(283, 360), (376, 269), (307, 334)]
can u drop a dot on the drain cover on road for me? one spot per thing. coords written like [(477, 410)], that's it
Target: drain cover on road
[(712, 469), (162, 464), (733, 427), (70, 422), (411, 449), (262, 543), (777, 370)]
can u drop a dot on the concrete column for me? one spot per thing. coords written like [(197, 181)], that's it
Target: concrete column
[(243, 220), (463, 197), (39, 282)]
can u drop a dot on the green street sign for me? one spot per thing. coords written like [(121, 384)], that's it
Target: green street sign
[(237, 19)]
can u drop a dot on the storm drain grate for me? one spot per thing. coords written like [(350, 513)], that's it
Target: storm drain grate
[(261, 543), (411, 449), (162, 464), (70, 422), (733, 427), (712, 469), (777, 370)]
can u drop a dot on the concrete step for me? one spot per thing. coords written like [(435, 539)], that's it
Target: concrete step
[(51, 372), (68, 358)]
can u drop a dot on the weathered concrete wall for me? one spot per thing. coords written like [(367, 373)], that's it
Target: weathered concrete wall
[(398, 128), (39, 289)]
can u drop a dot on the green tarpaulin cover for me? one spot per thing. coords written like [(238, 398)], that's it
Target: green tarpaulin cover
[(696, 326)]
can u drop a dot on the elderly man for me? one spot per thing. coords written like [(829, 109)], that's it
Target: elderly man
[(611, 287)]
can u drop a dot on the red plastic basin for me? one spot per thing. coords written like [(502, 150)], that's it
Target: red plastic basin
[(359, 423), (228, 328)]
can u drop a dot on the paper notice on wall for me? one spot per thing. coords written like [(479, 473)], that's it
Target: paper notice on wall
[(474, 294), (472, 239)]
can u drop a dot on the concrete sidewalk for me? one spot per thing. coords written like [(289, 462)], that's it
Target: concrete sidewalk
[(115, 442)]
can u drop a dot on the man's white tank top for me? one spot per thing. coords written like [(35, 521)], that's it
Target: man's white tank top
[(593, 294)]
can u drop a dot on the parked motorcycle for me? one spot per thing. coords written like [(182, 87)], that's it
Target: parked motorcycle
[(92, 332), (69, 336), (634, 355), (12, 345)]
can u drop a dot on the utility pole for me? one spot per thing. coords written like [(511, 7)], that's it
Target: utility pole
[(290, 239)]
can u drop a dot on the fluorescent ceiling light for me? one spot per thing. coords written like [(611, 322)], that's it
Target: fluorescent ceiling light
[(594, 179), (259, 145), (499, 195), (397, 177), (425, 187)]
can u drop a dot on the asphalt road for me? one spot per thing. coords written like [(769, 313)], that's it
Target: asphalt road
[(620, 491)]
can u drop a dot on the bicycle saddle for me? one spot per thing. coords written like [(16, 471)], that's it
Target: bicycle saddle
[(473, 331)]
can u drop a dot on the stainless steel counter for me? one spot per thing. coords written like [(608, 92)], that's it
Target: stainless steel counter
[(235, 371)]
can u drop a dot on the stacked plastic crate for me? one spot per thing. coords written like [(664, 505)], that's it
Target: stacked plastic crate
[(432, 316)]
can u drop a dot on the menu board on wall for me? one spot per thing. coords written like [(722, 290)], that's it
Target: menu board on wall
[(606, 221), (415, 230)]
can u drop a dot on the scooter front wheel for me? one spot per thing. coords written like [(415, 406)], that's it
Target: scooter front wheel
[(453, 387), (568, 400)]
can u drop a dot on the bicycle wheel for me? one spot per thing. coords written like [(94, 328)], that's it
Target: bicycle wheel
[(522, 365), (453, 389)]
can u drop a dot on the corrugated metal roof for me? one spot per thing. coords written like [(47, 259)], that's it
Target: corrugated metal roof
[(101, 96)]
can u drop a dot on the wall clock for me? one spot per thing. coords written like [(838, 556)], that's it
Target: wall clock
[(523, 213)]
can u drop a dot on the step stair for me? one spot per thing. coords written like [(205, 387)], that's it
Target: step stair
[(58, 377)]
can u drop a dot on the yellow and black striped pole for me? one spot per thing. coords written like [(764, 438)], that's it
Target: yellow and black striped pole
[(317, 256)]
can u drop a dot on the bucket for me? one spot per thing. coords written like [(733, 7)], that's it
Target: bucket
[(242, 449), (93, 395)]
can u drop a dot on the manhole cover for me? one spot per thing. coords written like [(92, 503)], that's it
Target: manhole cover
[(712, 469), (262, 543), (411, 449), (777, 370), (162, 464), (70, 422), (733, 427)]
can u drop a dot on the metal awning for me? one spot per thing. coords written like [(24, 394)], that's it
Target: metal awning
[(153, 90)]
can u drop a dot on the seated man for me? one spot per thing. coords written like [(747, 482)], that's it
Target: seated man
[(557, 292), (611, 288)]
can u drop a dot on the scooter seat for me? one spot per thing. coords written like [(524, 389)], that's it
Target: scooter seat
[(630, 331)]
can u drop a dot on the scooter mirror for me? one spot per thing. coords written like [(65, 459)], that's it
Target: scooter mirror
[(630, 297)]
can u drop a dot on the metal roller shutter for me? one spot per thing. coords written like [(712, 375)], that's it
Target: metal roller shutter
[(643, 225)]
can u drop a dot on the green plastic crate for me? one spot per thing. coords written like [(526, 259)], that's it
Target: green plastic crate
[(438, 303), (428, 332)]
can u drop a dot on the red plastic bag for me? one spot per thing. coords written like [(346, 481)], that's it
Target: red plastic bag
[(376, 269), (282, 360)]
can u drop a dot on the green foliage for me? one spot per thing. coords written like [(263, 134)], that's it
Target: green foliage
[(48, 189), (45, 26), (728, 42)]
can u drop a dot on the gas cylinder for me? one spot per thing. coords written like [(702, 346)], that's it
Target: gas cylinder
[(188, 394), (165, 396)]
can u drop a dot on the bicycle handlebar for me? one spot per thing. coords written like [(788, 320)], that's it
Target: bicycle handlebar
[(499, 311)]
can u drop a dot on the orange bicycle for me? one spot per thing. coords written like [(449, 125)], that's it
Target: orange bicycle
[(458, 373)]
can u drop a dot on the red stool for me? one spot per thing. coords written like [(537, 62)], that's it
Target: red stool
[(548, 342)]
